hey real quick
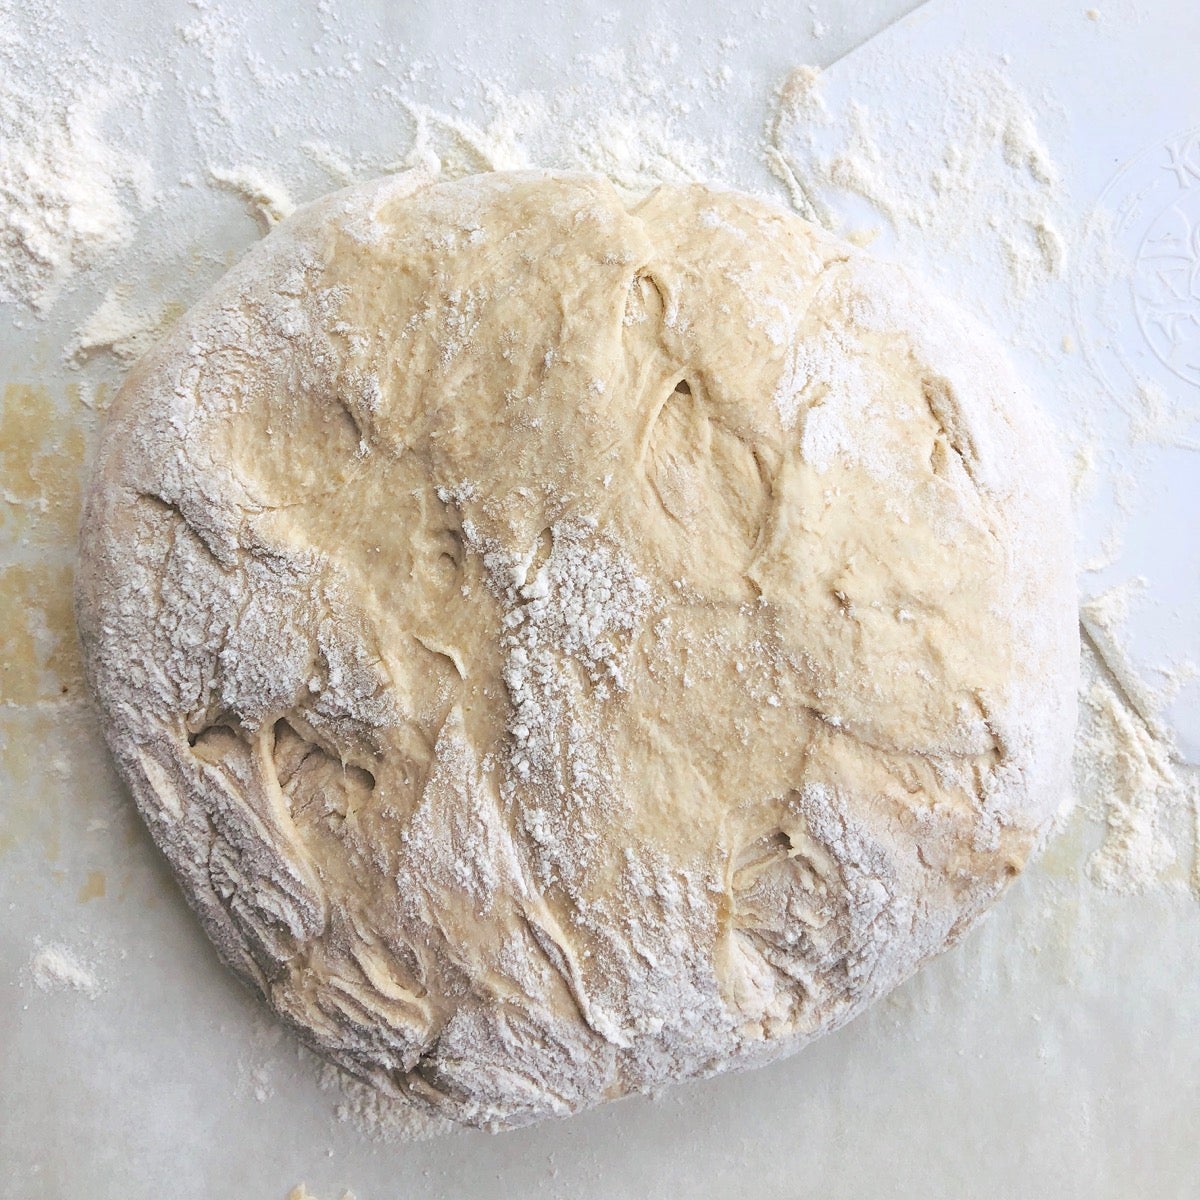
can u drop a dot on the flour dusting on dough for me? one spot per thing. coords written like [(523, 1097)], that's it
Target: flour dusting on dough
[(653, 746)]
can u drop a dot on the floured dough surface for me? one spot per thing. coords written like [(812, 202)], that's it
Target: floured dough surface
[(565, 645)]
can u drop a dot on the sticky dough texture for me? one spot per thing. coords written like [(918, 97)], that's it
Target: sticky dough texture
[(565, 645)]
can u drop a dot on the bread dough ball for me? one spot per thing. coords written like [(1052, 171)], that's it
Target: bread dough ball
[(564, 644)]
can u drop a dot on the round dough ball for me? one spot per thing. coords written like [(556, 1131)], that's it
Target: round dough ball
[(565, 645)]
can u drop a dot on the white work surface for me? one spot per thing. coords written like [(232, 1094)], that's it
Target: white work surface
[(1055, 1053)]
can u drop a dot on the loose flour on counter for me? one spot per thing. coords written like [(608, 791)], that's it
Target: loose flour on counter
[(56, 967), (68, 195)]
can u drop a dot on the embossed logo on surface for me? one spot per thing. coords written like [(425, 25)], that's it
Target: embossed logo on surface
[(1166, 275), (1139, 270)]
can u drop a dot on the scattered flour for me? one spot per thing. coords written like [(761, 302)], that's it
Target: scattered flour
[(1102, 619), (68, 197), (1161, 420), (269, 200), (56, 968), (120, 326), (379, 1117), (635, 141), (256, 1074), (1131, 769), (977, 160), (798, 100), (1083, 470), (1127, 771)]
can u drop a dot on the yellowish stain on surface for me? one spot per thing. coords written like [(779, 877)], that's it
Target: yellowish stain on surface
[(93, 887), (17, 815), (41, 456), (39, 652), (30, 803)]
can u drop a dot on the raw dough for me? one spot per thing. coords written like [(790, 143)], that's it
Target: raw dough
[(566, 645)]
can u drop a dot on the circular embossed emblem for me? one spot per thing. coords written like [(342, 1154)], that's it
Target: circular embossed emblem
[(1137, 283)]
